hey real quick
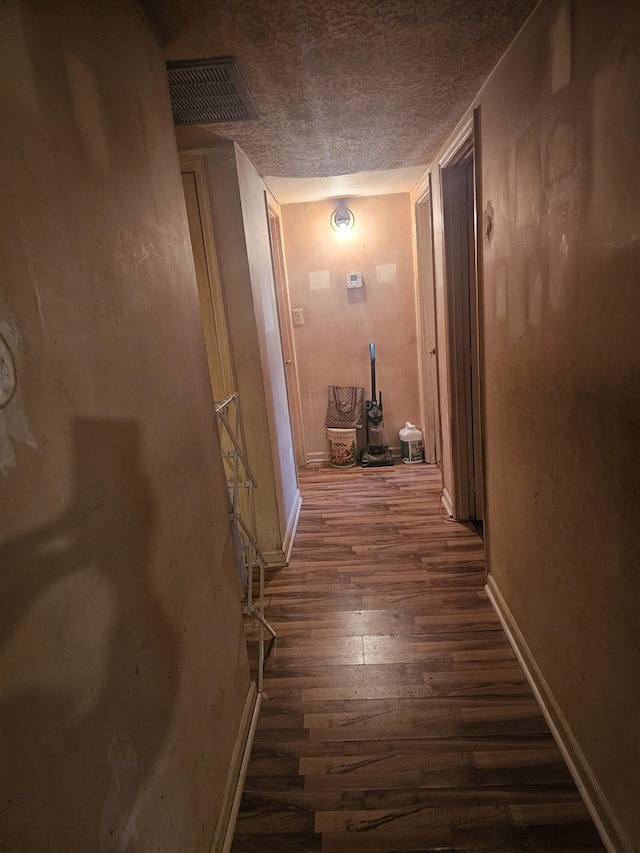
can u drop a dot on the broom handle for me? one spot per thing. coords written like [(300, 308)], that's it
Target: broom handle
[(372, 353)]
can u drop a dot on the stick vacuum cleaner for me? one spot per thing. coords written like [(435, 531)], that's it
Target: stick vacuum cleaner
[(376, 455)]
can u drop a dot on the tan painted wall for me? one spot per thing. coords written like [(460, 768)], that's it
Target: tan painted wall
[(121, 645), (237, 200), (332, 347), (226, 207), (278, 421), (560, 121)]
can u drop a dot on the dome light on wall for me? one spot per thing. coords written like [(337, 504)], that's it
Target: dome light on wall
[(342, 220)]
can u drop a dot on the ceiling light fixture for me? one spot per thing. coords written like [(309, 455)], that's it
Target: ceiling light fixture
[(342, 220)]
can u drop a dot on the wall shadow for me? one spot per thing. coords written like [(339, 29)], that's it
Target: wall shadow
[(90, 661)]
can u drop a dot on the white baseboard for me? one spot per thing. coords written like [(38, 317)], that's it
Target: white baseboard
[(278, 558), (292, 526), (315, 457), (608, 827), (237, 774)]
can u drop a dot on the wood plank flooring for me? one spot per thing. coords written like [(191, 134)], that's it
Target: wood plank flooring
[(395, 715)]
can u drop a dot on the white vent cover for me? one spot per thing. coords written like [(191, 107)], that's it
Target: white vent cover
[(208, 90)]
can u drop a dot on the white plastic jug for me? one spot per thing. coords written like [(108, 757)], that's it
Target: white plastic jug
[(411, 446)]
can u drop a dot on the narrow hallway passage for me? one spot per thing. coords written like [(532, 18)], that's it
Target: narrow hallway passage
[(395, 716)]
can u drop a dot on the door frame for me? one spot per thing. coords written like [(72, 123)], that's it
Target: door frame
[(283, 302), (211, 295), (463, 322), (428, 366)]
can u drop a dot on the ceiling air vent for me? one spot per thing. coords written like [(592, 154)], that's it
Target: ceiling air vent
[(208, 90)]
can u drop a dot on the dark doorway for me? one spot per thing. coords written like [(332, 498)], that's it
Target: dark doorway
[(461, 283)]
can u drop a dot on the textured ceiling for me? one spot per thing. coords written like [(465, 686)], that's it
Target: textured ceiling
[(342, 87)]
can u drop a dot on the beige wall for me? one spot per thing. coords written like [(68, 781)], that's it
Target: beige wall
[(121, 645), (278, 420), (560, 130), (332, 347), (241, 235)]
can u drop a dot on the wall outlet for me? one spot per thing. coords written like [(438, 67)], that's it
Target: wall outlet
[(298, 316)]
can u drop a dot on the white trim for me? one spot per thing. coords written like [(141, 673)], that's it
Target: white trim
[(460, 283), (196, 165), (225, 827), (463, 132), (242, 778), (422, 187), (292, 526), (318, 456), (594, 799), (425, 299), (447, 503), (283, 305)]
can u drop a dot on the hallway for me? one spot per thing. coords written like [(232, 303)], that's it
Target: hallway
[(396, 717)]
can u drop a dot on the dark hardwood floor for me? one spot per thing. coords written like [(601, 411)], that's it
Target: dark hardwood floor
[(395, 715)]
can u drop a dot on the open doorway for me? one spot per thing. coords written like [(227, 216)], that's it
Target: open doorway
[(459, 204)]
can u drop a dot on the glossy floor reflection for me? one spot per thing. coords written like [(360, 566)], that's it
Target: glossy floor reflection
[(396, 717)]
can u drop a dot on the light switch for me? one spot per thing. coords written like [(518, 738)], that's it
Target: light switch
[(298, 316)]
